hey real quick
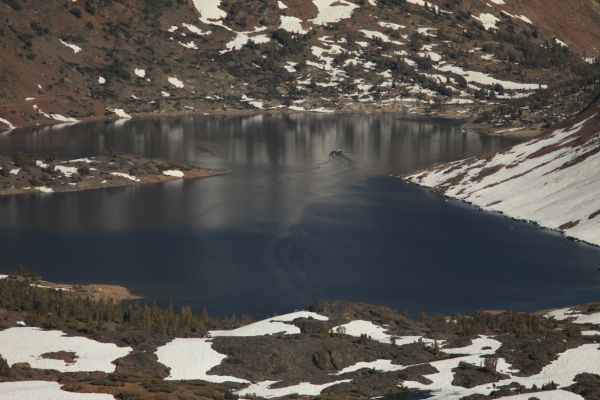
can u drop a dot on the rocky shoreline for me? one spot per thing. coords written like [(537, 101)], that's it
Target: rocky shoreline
[(24, 174), (452, 114)]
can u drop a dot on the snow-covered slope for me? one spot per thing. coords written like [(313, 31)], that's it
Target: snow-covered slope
[(553, 180)]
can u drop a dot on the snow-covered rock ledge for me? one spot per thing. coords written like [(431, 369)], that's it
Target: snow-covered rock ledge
[(552, 180)]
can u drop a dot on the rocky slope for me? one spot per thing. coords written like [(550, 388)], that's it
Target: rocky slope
[(64, 61), (552, 180)]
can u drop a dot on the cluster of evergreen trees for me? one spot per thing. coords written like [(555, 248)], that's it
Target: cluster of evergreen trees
[(488, 323), (54, 309)]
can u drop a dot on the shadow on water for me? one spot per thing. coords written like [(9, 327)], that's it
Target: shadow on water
[(290, 225)]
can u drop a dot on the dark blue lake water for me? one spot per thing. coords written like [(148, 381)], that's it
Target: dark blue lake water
[(289, 226)]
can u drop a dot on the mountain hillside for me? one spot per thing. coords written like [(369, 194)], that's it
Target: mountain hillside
[(552, 180), (506, 63)]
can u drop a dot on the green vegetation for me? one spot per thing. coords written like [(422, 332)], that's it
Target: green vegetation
[(23, 160), (160, 386), (54, 309), (490, 363), (289, 44), (14, 4), (5, 370), (572, 95), (489, 323)]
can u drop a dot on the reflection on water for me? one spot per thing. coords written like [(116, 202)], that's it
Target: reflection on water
[(279, 165), (289, 225)]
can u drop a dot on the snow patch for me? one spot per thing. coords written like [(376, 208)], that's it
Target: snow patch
[(76, 49), (190, 45), (270, 326), (139, 72), (175, 82), (195, 30), (377, 365), (547, 395), (485, 79), (391, 25), (119, 112), (358, 328), (292, 24), (519, 17), (381, 36), (423, 3), (578, 318), (241, 38), (174, 172), (331, 11), (7, 123), (81, 160), (263, 389), (44, 390), (488, 21), (28, 344), (41, 164), (209, 10), (56, 117), (560, 42), (126, 176), (66, 171), (192, 358), (590, 333)]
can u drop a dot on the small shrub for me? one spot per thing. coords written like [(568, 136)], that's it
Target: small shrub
[(13, 4), (5, 171), (129, 396), (38, 28), (23, 160), (75, 11), (89, 7), (158, 386), (490, 363), (5, 370), (230, 396)]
